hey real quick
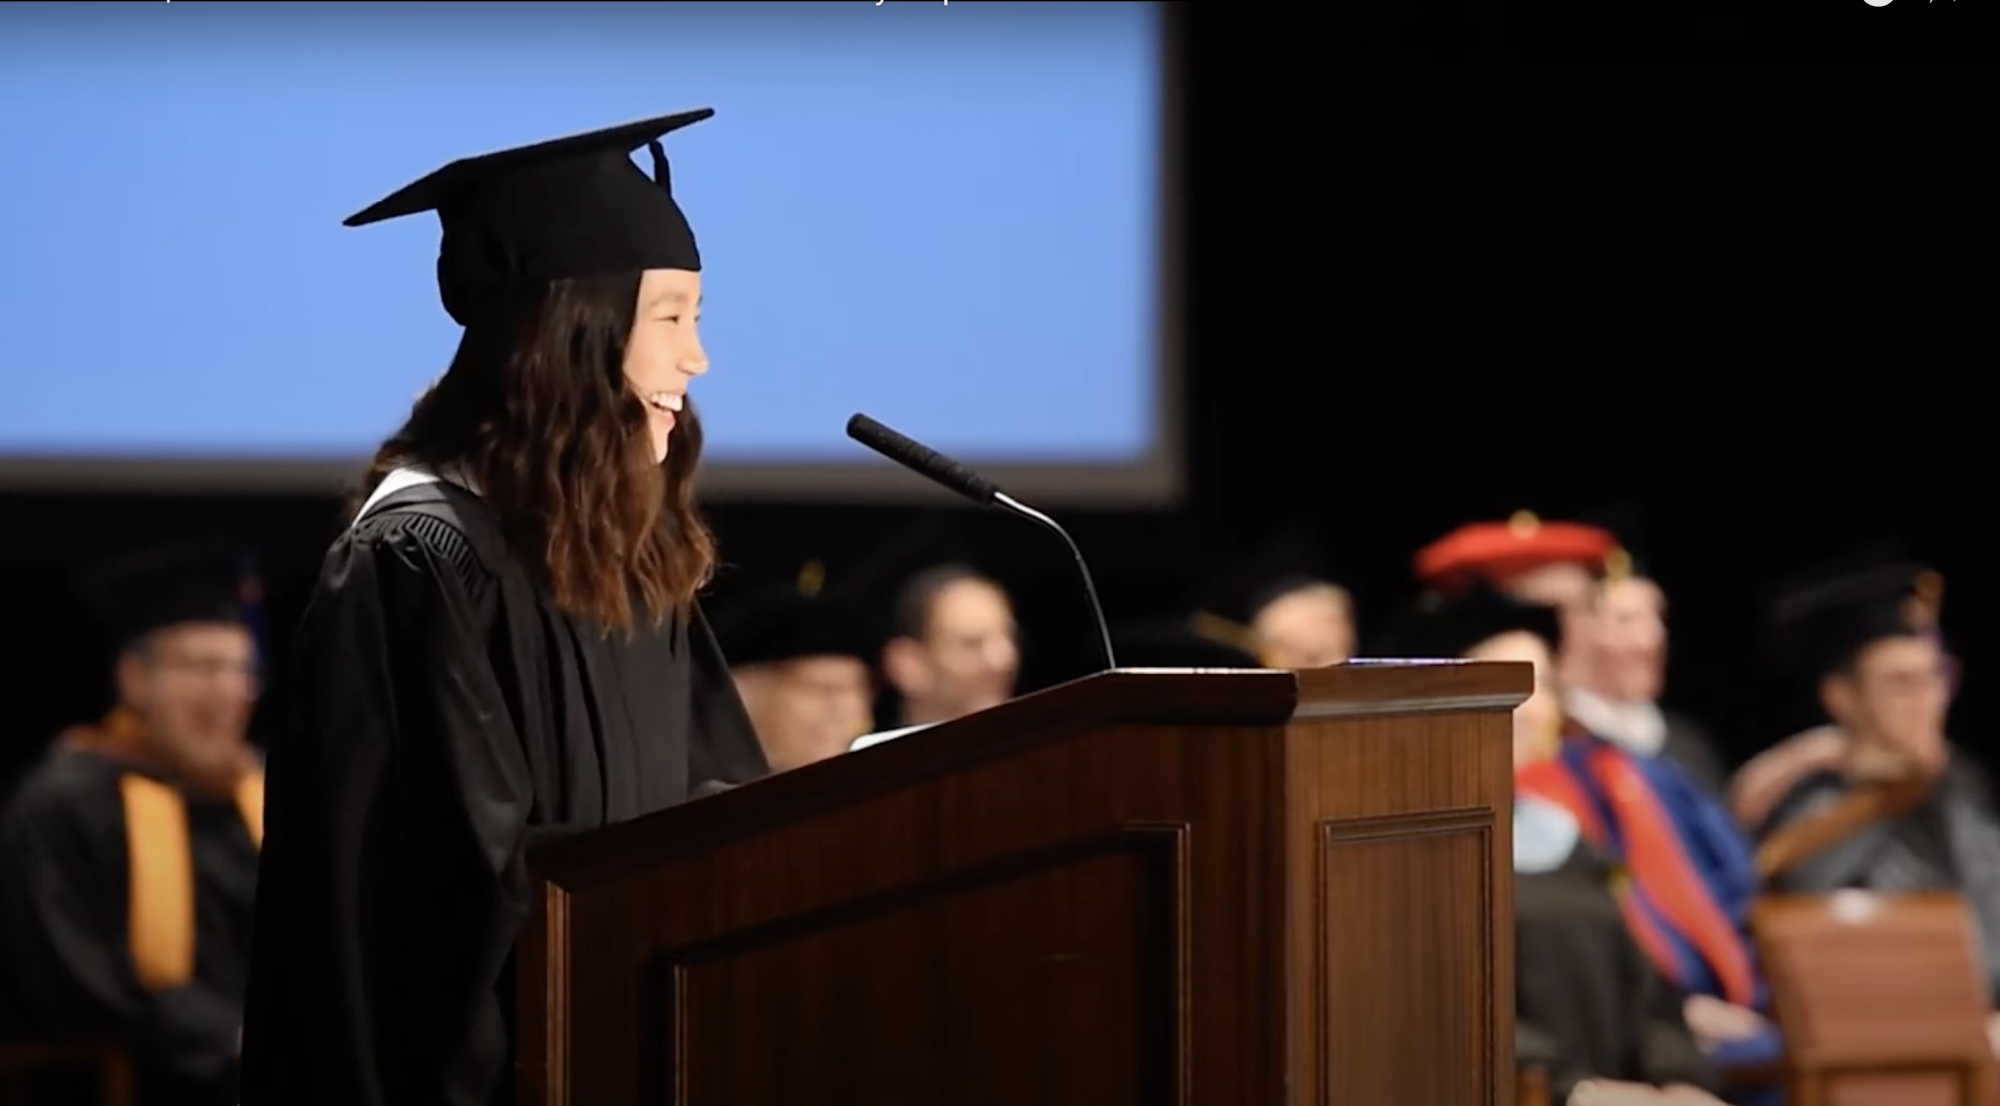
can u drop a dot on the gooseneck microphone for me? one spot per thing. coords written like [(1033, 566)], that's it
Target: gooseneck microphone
[(939, 469)]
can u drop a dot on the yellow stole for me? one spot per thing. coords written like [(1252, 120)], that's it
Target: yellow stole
[(160, 917)]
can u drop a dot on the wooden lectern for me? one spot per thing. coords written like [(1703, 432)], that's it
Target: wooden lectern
[(1160, 887)]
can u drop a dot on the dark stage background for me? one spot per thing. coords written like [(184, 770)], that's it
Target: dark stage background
[(1445, 261)]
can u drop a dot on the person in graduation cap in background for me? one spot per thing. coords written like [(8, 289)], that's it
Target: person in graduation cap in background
[(1768, 780), (504, 646), (1613, 666), (128, 856), (1590, 1008), (1280, 607), (947, 643), (800, 658), (1904, 810)]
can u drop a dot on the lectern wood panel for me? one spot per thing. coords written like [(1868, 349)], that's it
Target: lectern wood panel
[(1424, 943), (902, 952), (1142, 889), (1050, 979)]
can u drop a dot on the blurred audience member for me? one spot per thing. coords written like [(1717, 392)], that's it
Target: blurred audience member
[(955, 649), (128, 857), (1304, 623), (800, 661), (1614, 654), (1686, 873), (1903, 810), (1551, 564), (1591, 1010), (1279, 606), (1484, 625), (1621, 671)]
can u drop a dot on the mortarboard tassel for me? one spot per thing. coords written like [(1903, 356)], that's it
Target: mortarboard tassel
[(1922, 609), (1213, 627), (1618, 564), (812, 578)]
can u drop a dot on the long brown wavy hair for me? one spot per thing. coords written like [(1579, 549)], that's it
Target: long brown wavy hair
[(536, 412)]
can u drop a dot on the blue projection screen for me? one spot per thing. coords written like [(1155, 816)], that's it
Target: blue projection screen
[(951, 216)]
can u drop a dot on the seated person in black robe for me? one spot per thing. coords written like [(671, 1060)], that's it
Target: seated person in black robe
[(1280, 605), (128, 856), (504, 646), (1590, 1008), (800, 660), (1867, 637)]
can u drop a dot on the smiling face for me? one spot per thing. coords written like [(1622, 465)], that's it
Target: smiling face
[(664, 354), (193, 688), (807, 709), (1629, 631), (1895, 698)]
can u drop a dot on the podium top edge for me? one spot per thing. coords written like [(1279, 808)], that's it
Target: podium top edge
[(1168, 697)]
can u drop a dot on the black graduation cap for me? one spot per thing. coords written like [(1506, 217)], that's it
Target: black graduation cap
[(570, 207), (1439, 628), (789, 621), (1823, 617), (1175, 643), (1288, 561), (930, 540), (134, 595)]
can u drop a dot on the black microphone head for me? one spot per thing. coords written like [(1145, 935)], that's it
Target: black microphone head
[(936, 466), (921, 459), (869, 432)]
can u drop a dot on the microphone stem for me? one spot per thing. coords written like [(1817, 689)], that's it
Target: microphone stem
[(1002, 499)]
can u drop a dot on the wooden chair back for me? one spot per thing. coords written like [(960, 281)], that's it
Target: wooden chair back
[(1881, 998)]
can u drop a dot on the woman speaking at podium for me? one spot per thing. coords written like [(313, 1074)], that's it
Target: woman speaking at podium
[(504, 643)]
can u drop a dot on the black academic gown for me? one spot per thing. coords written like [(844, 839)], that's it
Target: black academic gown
[(447, 716), (66, 967), (1949, 843), (1589, 1004)]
